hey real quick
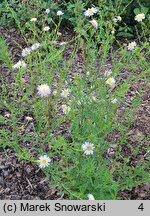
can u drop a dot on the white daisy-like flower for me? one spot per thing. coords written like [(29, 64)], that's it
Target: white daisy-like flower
[(62, 43), (54, 92), (140, 17), (65, 93), (107, 73), (59, 13), (47, 11), (33, 20), (59, 33), (90, 12), (131, 45), (94, 98), (94, 23), (35, 46), (114, 101), (44, 161), (16, 66), (26, 52), (115, 19), (46, 28), (88, 148), (44, 90), (113, 31), (134, 43), (19, 64), (90, 197), (28, 118), (111, 81), (65, 108), (119, 18), (54, 42), (22, 64), (7, 115)]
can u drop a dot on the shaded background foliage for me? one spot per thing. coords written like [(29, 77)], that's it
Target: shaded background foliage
[(26, 9)]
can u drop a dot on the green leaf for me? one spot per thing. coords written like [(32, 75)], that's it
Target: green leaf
[(144, 10), (125, 34), (136, 102), (137, 11), (2, 119)]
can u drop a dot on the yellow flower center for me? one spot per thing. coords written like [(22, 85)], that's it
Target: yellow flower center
[(44, 89), (109, 80), (131, 45), (88, 148), (65, 92), (43, 161), (65, 108), (90, 10), (140, 16)]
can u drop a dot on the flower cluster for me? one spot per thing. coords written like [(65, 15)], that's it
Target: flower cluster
[(90, 12), (64, 94), (44, 90), (139, 18), (19, 64), (88, 148), (27, 51)]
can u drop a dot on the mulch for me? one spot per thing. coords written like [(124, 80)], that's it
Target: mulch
[(23, 180)]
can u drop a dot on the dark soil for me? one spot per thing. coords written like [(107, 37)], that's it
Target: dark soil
[(24, 180)]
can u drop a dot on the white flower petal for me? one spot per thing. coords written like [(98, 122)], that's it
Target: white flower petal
[(59, 13), (90, 197)]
